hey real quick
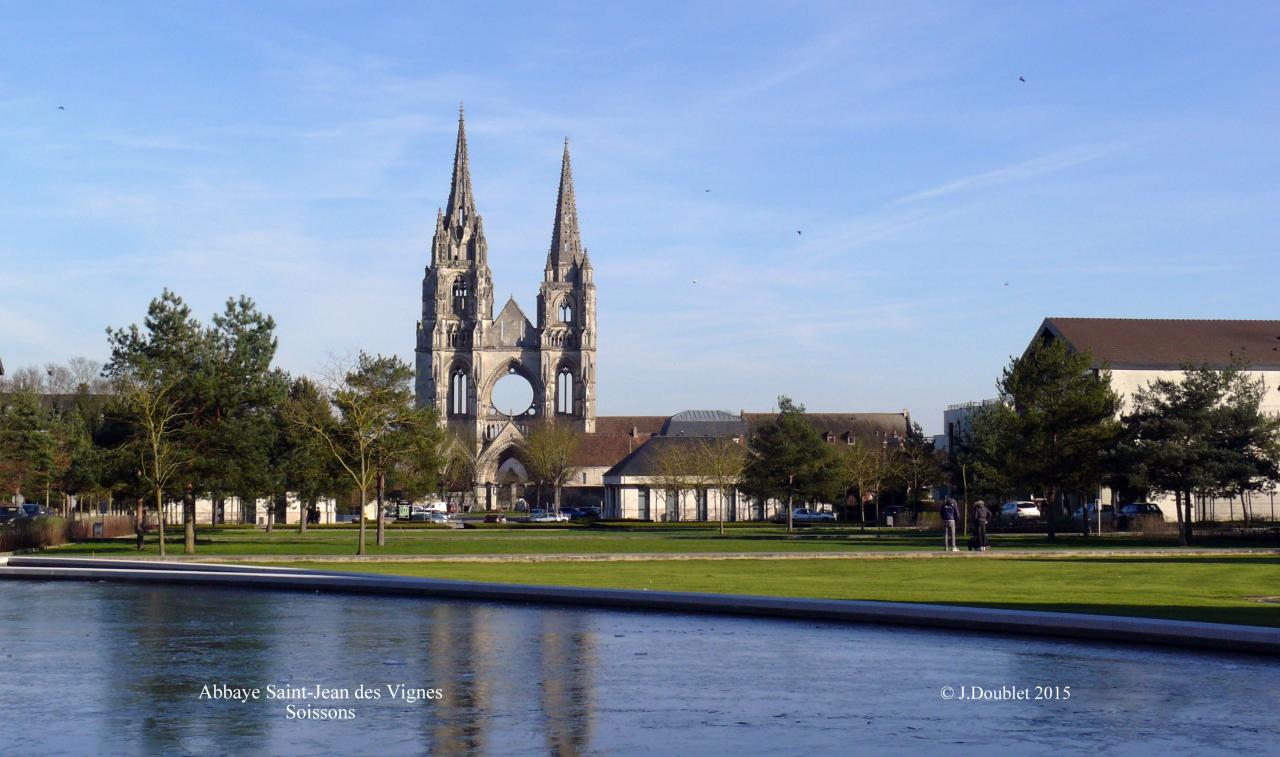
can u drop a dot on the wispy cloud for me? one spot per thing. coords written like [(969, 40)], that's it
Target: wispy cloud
[(1012, 174)]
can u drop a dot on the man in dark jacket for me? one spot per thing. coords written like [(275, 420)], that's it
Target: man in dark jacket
[(980, 517), (950, 513)]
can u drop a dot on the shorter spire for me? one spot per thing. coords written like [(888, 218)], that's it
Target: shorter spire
[(460, 197)]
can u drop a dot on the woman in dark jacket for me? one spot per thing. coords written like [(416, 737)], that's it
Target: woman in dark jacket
[(980, 517)]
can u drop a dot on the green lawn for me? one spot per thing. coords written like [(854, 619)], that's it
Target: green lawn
[(1211, 588), (584, 540)]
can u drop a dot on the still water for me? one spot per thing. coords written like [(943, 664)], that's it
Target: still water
[(93, 668)]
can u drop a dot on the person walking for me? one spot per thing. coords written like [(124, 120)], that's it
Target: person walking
[(950, 513), (980, 517)]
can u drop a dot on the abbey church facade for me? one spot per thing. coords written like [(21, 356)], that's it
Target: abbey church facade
[(463, 351)]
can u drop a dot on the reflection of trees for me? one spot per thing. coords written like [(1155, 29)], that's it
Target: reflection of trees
[(567, 657), (453, 647), (152, 686)]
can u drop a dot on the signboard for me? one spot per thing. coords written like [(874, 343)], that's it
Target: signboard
[(102, 508), (403, 512)]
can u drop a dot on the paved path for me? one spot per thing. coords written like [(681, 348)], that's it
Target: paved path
[(1215, 636)]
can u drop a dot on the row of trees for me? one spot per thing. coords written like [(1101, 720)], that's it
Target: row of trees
[(1059, 428), (184, 409), (788, 461)]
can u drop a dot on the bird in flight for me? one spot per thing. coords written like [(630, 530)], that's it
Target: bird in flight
[(1024, 81), (706, 190), (799, 233), (695, 281), (1006, 283), (61, 108)]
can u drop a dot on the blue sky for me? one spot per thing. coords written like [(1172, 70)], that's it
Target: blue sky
[(297, 152)]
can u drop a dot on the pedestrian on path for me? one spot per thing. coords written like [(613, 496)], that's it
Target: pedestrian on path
[(949, 515), (980, 517)]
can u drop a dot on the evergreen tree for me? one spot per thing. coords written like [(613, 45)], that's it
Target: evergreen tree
[(788, 459)]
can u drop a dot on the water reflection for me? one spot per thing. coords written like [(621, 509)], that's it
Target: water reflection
[(103, 668)]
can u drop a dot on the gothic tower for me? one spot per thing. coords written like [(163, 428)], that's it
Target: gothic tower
[(463, 350), (457, 299), (567, 313)]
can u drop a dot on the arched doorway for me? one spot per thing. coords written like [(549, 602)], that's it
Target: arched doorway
[(511, 479)]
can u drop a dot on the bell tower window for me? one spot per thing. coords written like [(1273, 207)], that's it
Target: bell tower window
[(460, 294), (458, 398), (566, 312), (564, 392)]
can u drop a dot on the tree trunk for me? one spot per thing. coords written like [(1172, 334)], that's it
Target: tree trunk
[(722, 501), (1187, 533), (557, 499), (364, 496), (160, 518), (140, 522), (1052, 504), (305, 507), (1177, 507), (382, 527), (790, 525), (189, 522)]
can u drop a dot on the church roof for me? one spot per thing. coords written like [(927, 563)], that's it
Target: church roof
[(643, 461), (1168, 343)]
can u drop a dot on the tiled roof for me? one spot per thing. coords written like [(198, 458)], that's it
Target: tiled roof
[(1151, 343), (862, 426), (644, 460), (621, 425), (604, 450)]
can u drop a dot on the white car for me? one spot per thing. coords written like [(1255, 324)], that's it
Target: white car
[(546, 516), (1019, 512), (805, 515)]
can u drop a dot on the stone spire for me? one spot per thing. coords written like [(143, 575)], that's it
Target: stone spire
[(566, 246), (462, 205)]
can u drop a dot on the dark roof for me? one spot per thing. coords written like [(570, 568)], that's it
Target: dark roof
[(1151, 343), (844, 426), (621, 425), (644, 460), (603, 450), (613, 438), (704, 423)]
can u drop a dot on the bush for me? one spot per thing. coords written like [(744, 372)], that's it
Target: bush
[(51, 531)]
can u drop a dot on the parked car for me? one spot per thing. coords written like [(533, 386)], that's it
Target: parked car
[(1014, 513), (9, 513), (581, 513), (495, 518), (434, 517), (1138, 515), (547, 516), (805, 515), (1108, 513)]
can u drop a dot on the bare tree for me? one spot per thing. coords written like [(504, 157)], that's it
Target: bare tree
[(155, 412), (675, 470), (721, 462), (461, 466), (367, 401), (549, 452)]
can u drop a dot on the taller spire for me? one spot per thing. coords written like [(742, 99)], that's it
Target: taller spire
[(462, 204), (566, 245)]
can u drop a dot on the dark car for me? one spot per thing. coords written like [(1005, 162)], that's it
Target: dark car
[(582, 513), (9, 513), (495, 518), (31, 510), (1139, 515)]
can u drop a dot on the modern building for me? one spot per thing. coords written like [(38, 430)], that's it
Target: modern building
[(1138, 351)]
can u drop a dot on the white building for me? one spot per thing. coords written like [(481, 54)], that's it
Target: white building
[(1140, 350)]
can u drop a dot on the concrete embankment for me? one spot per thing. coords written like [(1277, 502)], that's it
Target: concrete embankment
[(1215, 636)]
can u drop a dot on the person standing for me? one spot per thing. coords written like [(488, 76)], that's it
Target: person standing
[(950, 513), (980, 517)]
